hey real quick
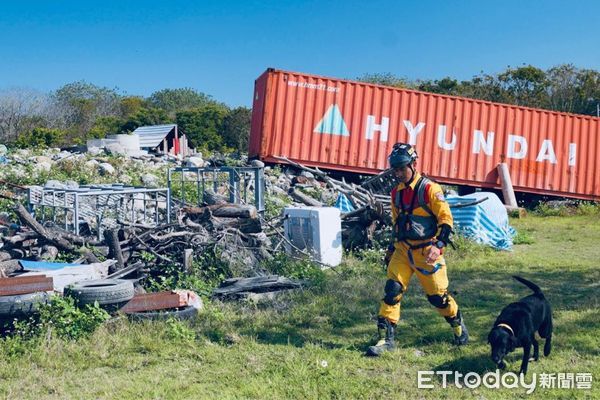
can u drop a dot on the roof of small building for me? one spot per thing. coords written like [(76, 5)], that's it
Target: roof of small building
[(151, 136)]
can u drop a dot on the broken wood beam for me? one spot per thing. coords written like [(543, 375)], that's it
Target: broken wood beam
[(115, 252), (212, 198), (50, 235), (303, 198), (223, 210)]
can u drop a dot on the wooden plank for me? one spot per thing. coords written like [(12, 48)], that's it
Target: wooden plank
[(152, 301)]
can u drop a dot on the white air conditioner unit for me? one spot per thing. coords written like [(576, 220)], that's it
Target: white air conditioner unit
[(316, 231)]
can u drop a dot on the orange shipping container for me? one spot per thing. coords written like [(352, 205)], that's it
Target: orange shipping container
[(352, 126)]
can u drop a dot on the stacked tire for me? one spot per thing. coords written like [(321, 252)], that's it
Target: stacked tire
[(21, 305), (110, 294)]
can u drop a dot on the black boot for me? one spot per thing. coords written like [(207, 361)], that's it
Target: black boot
[(386, 338), (461, 334)]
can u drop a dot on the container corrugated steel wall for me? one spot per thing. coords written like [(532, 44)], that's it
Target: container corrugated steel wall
[(352, 126)]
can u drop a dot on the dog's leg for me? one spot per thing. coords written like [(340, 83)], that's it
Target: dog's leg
[(526, 352), (536, 350), (548, 345)]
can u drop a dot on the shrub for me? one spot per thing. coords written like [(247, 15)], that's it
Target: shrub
[(544, 210), (588, 208), (41, 137), (207, 271), (574, 208), (62, 317)]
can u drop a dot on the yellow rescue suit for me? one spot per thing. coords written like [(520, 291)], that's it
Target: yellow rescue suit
[(410, 254)]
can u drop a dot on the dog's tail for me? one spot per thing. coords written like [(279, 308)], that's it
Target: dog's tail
[(536, 289)]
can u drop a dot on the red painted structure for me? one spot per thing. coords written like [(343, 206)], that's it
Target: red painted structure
[(352, 126)]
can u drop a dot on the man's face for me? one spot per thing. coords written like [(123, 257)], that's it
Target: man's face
[(404, 174)]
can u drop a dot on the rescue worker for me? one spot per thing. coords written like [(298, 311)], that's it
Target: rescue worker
[(422, 224)]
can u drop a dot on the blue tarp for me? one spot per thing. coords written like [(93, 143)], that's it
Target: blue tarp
[(486, 222), (343, 203), (44, 265)]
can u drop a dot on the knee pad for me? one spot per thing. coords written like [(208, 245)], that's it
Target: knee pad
[(438, 301), (392, 290)]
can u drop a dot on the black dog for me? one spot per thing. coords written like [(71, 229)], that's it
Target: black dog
[(517, 325)]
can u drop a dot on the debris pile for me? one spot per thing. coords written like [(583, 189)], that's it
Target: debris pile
[(368, 207), (237, 233)]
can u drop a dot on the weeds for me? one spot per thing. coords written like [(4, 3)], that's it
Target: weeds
[(584, 208), (274, 205), (207, 271), (284, 265), (61, 317), (523, 237), (178, 330)]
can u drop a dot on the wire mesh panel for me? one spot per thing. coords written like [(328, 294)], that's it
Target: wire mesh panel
[(239, 185), (382, 183), (94, 208)]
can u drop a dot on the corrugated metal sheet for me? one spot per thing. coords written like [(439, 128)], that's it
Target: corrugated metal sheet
[(352, 126), (152, 136)]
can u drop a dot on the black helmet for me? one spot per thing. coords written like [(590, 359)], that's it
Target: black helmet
[(402, 155)]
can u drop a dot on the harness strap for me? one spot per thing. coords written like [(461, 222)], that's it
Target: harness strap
[(418, 246), (419, 196), (421, 270)]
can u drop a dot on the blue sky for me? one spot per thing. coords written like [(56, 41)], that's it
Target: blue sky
[(220, 47)]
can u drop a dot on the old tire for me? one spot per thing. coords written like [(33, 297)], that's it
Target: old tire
[(22, 304), (183, 313), (107, 292)]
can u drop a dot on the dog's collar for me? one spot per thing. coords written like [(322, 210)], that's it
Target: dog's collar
[(507, 327)]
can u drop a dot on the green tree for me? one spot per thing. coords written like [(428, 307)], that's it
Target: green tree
[(176, 100), (484, 87), (77, 105), (130, 105), (443, 86), (236, 128), (104, 126), (146, 116), (203, 126), (526, 86), (386, 79), (573, 90)]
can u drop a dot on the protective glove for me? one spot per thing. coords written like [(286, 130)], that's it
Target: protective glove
[(388, 255)]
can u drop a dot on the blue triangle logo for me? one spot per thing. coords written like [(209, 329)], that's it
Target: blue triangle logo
[(332, 122)]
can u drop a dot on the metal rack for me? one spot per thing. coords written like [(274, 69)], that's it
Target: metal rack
[(243, 185), (100, 207)]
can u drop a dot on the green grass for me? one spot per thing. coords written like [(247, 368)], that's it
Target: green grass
[(310, 344)]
